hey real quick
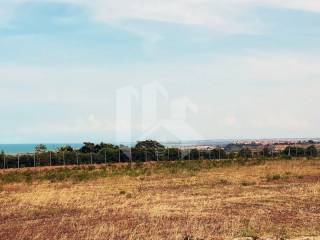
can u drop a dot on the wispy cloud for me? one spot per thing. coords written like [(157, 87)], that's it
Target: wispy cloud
[(253, 85), (254, 94), (226, 15)]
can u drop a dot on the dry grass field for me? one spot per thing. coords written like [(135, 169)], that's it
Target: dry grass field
[(279, 199)]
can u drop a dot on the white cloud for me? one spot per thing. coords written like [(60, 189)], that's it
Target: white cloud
[(304, 5), (266, 94), (78, 126), (280, 67), (221, 15)]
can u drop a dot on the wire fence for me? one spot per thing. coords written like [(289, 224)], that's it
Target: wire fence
[(127, 155)]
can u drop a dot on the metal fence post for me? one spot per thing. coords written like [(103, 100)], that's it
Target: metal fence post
[(91, 160), (289, 151), (18, 161), (4, 160), (130, 151), (77, 156)]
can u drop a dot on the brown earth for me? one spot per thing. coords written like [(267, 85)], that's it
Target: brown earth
[(277, 200)]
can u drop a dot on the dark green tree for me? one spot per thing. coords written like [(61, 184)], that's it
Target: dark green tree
[(312, 151), (106, 146), (66, 148), (218, 153), (245, 152), (149, 144), (293, 151), (267, 151), (87, 147), (41, 148)]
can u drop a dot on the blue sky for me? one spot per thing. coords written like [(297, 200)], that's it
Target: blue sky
[(249, 68)]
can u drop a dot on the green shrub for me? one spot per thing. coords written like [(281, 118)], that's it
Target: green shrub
[(273, 177), (247, 183)]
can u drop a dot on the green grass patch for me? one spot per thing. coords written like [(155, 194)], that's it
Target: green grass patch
[(87, 173)]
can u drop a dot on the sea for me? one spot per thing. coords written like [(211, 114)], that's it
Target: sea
[(30, 148)]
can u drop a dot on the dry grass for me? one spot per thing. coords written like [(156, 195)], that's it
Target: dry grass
[(277, 199)]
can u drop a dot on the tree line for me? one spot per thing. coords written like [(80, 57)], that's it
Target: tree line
[(143, 151)]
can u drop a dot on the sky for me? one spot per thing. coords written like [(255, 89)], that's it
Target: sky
[(94, 70)]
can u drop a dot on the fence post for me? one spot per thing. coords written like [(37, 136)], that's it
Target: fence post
[(64, 160), (289, 151), (34, 160), (18, 161), (168, 154), (91, 160), (50, 159), (4, 160), (119, 160), (130, 151), (219, 153), (77, 158)]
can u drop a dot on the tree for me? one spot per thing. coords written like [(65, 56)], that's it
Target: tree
[(218, 153), (287, 152), (106, 147), (245, 152), (147, 150), (149, 144), (87, 148), (2, 159), (312, 151), (41, 148), (267, 151), (293, 151), (66, 148)]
